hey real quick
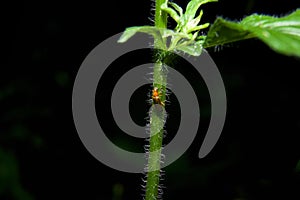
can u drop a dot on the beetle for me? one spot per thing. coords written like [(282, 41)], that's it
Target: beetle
[(156, 96)]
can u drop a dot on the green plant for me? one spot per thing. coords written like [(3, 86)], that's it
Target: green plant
[(280, 34)]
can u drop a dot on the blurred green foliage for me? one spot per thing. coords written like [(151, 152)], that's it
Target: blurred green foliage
[(10, 185), (298, 167), (117, 190)]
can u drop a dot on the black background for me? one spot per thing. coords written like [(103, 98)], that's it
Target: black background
[(42, 157)]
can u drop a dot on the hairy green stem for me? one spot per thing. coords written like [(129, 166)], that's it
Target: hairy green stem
[(156, 116)]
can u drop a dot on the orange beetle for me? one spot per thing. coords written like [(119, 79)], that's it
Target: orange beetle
[(156, 96)]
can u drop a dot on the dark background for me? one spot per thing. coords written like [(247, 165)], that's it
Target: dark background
[(42, 157)]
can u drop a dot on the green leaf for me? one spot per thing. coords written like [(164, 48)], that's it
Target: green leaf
[(171, 11), (282, 34), (131, 31), (193, 6), (177, 8), (194, 49)]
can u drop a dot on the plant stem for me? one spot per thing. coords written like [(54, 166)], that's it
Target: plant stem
[(156, 117), (160, 19)]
